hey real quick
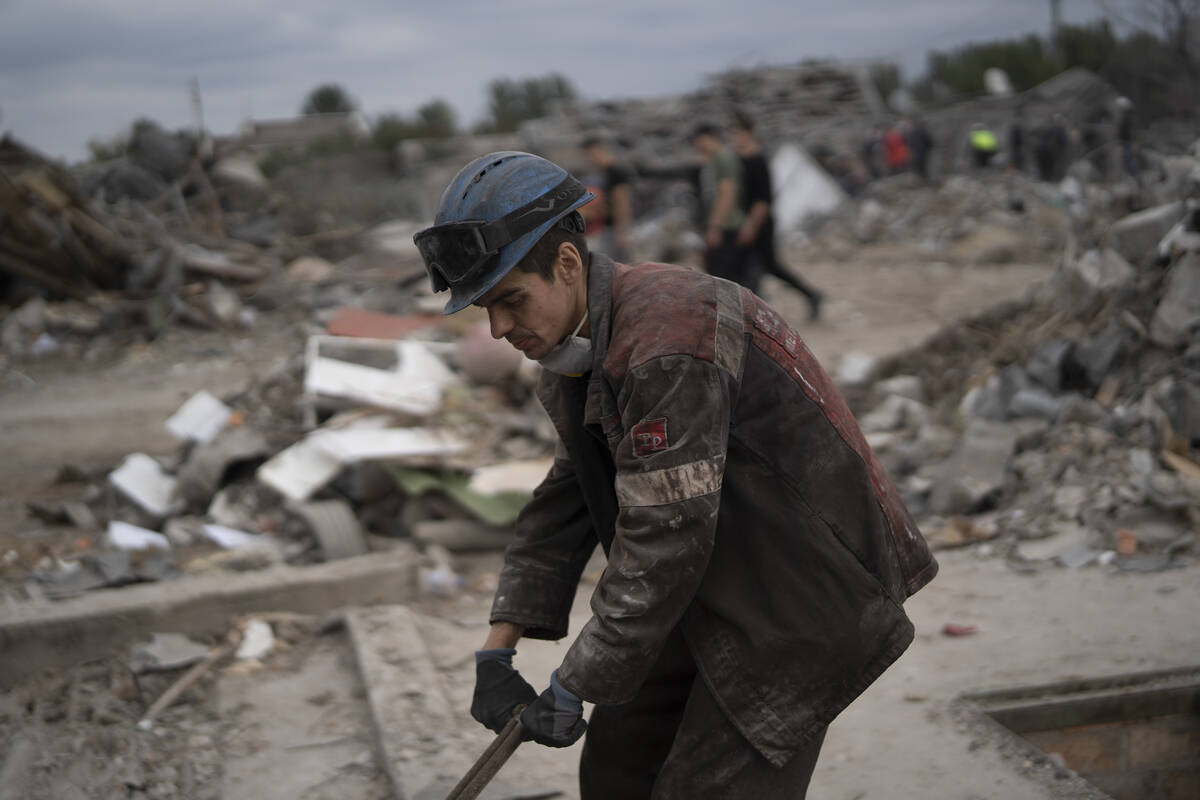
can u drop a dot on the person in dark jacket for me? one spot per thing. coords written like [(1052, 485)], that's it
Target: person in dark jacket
[(920, 143), (1016, 142), (757, 555), (758, 229)]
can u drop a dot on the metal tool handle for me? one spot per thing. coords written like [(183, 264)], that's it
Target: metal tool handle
[(489, 763)]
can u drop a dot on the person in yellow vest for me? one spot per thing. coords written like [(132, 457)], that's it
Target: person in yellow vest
[(983, 145)]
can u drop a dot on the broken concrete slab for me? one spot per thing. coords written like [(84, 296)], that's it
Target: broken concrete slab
[(895, 413), (1097, 355), (1102, 271), (1046, 365), (201, 474), (165, 651), (145, 482), (300, 732), (199, 419), (1137, 235), (1177, 319), (977, 471), (45, 635), (404, 686)]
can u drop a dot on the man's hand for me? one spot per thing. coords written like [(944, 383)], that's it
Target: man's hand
[(747, 234), (713, 237), (555, 719), (499, 688)]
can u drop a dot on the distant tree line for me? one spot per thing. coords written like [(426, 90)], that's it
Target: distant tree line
[(1156, 62)]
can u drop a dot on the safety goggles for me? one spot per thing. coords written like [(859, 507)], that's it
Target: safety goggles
[(455, 251)]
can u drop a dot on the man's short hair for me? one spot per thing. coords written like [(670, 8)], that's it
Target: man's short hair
[(541, 256), (743, 122), (705, 129), (593, 141)]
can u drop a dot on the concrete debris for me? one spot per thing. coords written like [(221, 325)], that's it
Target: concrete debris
[(1136, 236), (258, 640), (855, 369), (145, 482), (1102, 270), (412, 384), (977, 472), (1177, 319), (1074, 411), (165, 652), (232, 539), (131, 537), (199, 419)]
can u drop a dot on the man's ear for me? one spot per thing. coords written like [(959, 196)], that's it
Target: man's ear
[(568, 264)]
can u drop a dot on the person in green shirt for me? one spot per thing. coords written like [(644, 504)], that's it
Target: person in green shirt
[(721, 205)]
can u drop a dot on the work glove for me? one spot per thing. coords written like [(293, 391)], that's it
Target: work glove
[(499, 688), (555, 719)]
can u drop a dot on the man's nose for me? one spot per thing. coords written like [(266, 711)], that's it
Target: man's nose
[(500, 322)]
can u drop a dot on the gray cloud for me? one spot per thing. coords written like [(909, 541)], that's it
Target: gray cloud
[(71, 70)]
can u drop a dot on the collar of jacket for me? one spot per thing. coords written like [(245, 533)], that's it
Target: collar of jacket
[(599, 303)]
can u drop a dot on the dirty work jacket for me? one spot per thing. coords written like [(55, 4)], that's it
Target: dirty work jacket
[(734, 496)]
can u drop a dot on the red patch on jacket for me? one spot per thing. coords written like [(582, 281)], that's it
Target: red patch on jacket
[(650, 436)]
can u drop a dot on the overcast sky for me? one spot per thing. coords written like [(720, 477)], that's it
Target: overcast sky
[(72, 70)]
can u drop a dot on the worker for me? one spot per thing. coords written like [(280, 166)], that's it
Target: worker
[(757, 554), (1016, 142), (983, 145), (720, 205), (758, 230), (618, 196), (896, 153)]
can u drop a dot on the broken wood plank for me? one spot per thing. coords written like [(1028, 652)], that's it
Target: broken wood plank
[(24, 269)]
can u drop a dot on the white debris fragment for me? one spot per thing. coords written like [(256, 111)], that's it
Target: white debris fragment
[(413, 387), (200, 419), (232, 539), (145, 482), (131, 537), (257, 640), (512, 476)]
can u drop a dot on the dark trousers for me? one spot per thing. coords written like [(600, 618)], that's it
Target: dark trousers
[(672, 742), (728, 259), (763, 259)]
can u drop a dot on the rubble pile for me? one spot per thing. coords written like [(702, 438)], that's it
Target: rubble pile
[(207, 244), (1066, 425), (407, 427), (806, 102), (986, 218), (77, 266)]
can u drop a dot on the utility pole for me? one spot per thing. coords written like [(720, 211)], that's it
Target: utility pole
[(197, 105), (1055, 19)]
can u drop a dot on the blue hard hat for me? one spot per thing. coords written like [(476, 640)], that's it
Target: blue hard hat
[(492, 213)]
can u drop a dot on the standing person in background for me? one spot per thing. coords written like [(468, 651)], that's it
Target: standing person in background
[(982, 144), (1125, 134), (920, 142), (895, 151), (870, 152), (1016, 142), (720, 204), (758, 231), (616, 183)]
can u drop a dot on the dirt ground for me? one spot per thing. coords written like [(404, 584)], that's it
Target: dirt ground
[(298, 727)]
